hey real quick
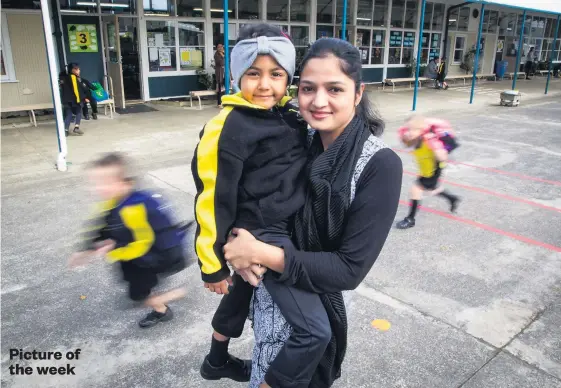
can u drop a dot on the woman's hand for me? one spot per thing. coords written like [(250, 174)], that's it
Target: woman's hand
[(240, 251), (253, 275)]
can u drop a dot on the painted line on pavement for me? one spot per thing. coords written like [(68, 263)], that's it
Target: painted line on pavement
[(487, 228), (493, 193)]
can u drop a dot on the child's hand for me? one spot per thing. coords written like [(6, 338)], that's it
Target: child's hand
[(221, 288), (79, 259), (104, 247)]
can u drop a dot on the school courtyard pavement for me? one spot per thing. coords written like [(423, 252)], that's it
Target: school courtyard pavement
[(465, 300)]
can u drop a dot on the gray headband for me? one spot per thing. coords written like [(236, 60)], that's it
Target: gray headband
[(245, 52)]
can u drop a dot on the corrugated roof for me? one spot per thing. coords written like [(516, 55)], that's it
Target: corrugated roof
[(549, 6)]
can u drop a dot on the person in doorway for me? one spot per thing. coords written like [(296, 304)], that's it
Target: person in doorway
[(431, 155), (528, 67), (431, 71), (260, 144), (136, 230), (219, 72), (73, 96), (441, 71), (354, 183), (88, 87)]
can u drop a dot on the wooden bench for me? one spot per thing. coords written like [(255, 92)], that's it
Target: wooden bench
[(393, 81), (481, 76), (543, 73), (30, 109), (199, 94), (520, 73), (458, 76)]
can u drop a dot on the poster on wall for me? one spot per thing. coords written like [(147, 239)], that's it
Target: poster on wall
[(358, 41), (185, 56), (500, 46), (165, 57), (82, 38)]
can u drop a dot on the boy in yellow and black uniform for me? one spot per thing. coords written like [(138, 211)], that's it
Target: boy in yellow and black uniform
[(431, 156), (134, 229), (73, 95), (249, 170)]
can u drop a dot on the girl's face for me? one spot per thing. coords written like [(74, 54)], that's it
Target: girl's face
[(327, 97), (265, 82)]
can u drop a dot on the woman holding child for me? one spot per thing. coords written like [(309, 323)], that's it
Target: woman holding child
[(354, 183)]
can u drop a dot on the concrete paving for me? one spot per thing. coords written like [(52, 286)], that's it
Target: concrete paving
[(466, 300)]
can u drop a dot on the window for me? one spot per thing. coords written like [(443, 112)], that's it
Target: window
[(430, 47), (191, 45), (339, 12), (459, 19), (166, 53), (325, 11), (490, 21), (378, 47), (114, 7), (217, 9), (372, 13), (459, 49), (190, 8), (278, 10), (404, 14), (161, 45), (86, 6), (7, 63), (21, 4), (402, 45), (371, 44), (158, 7), (438, 17)]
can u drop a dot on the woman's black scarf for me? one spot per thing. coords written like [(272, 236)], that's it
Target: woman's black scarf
[(319, 226)]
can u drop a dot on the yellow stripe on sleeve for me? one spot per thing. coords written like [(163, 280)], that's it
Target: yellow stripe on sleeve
[(207, 170), (135, 218), (75, 87)]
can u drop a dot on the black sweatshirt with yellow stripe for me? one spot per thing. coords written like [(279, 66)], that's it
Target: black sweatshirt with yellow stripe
[(249, 173)]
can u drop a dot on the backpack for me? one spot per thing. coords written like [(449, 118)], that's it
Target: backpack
[(447, 139), (99, 94)]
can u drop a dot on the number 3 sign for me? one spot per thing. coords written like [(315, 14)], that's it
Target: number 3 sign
[(82, 38)]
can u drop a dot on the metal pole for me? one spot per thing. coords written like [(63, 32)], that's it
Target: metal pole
[(344, 26), (551, 57), (51, 60), (419, 47), (520, 47), (477, 50), (226, 50)]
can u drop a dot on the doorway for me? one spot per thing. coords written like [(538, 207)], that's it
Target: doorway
[(122, 58)]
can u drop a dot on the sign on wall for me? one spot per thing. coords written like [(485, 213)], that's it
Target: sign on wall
[(82, 38)]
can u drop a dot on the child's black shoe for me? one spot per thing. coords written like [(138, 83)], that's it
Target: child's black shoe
[(234, 369), (155, 317), (406, 223)]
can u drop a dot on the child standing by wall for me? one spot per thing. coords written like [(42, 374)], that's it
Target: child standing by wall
[(136, 231), (73, 97), (249, 173), (431, 155)]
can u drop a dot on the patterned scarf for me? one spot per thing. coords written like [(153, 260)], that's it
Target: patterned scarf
[(320, 223)]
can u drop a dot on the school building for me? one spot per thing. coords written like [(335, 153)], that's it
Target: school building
[(152, 49)]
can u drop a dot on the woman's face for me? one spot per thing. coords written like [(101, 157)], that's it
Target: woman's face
[(327, 97)]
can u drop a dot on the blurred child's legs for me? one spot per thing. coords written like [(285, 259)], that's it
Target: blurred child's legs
[(431, 185)]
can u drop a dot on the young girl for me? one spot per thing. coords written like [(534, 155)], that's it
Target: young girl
[(431, 155), (248, 169)]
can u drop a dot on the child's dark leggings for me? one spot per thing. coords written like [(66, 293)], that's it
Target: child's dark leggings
[(298, 359), (70, 110)]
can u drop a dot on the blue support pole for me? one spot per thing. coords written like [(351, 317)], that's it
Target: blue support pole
[(477, 51), (226, 49), (344, 22), (550, 67), (419, 48), (520, 47)]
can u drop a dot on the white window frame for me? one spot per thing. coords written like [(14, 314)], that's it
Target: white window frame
[(455, 49), (7, 53), (177, 46)]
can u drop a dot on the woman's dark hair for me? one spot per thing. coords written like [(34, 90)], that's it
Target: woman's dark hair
[(351, 65), (252, 31)]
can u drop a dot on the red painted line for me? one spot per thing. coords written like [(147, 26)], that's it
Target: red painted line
[(493, 193), (496, 171), (487, 227)]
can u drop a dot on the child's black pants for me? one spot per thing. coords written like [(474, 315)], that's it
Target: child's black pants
[(297, 361)]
